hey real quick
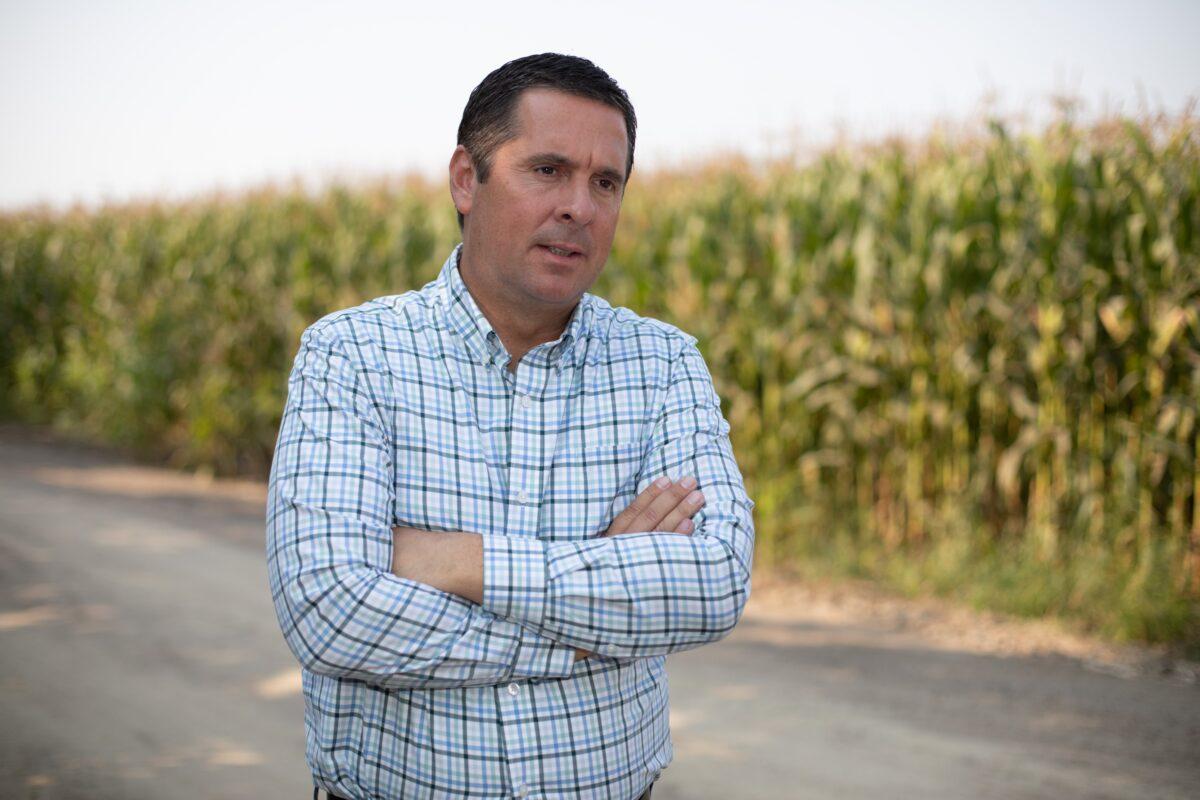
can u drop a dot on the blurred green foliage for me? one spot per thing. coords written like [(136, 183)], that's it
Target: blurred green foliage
[(969, 364)]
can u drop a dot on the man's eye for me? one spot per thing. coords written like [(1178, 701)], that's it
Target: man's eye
[(546, 170), (607, 185)]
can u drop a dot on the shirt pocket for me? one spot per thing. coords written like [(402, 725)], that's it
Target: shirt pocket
[(590, 486)]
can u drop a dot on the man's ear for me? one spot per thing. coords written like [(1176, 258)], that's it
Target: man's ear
[(463, 180)]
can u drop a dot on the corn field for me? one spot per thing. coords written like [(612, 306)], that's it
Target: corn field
[(968, 365)]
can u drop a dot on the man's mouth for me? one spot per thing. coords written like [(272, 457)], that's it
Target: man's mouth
[(562, 250)]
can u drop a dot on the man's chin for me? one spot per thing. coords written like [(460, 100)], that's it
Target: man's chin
[(560, 302), (558, 292)]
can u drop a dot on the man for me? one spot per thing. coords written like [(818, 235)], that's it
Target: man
[(498, 502)]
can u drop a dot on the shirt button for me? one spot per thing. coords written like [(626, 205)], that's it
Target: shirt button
[(522, 791), (523, 496), (513, 689), (525, 401)]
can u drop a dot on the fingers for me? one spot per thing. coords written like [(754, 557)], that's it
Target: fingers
[(679, 518), (652, 517), (640, 503), (663, 506)]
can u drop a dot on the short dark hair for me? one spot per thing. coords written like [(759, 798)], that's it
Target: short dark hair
[(487, 120)]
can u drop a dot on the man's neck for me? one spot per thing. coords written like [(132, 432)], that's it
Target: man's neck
[(518, 333)]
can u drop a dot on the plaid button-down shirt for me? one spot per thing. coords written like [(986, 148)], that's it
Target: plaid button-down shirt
[(401, 412)]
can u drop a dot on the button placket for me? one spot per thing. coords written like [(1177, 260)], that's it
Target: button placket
[(515, 726), (524, 477)]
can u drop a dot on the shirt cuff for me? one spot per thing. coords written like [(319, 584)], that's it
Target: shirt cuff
[(538, 657), (514, 577)]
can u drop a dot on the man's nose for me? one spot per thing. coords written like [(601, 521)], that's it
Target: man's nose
[(577, 204)]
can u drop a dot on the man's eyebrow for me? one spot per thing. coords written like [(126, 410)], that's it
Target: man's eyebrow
[(559, 160)]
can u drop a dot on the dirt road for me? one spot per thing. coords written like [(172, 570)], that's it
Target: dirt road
[(140, 658)]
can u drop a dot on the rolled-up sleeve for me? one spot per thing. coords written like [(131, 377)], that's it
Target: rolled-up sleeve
[(636, 595), (329, 545)]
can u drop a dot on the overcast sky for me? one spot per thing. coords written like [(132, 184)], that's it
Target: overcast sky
[(120, 100)]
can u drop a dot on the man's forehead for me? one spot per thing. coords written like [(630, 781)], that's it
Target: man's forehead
[(560, 121)]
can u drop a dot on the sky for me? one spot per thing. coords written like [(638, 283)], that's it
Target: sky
[(115, 101)]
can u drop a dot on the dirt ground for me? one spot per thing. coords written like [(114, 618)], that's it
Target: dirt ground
[(140, 658)]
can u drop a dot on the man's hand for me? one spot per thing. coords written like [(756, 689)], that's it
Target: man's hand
[(664, 506)]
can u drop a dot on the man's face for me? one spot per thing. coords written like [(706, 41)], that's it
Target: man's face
[(539, 230)]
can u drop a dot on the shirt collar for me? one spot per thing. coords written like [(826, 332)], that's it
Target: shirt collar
[(480, 338)]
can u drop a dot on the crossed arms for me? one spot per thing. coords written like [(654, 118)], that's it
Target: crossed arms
[(351, 604), (453, 561)]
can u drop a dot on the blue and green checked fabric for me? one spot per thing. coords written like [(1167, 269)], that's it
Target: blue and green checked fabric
[(401, 412)]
